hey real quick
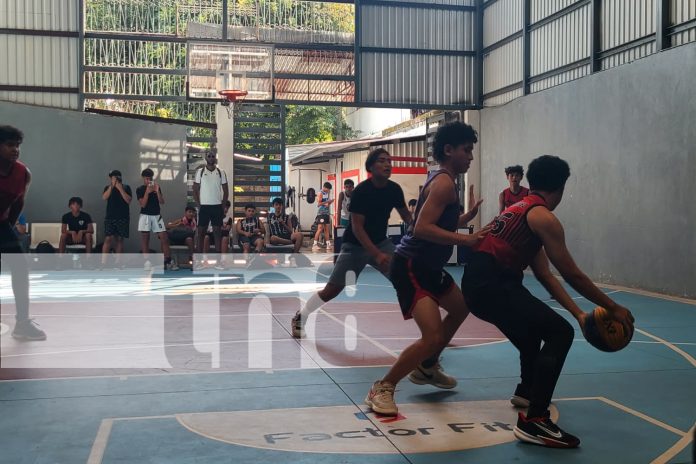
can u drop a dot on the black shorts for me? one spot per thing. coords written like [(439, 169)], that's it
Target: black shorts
[(223, 233), (8, 239), (244, 239), (414, 281), (117, 227), (178, 236), (285, 235), (323, 219), (210, 214)]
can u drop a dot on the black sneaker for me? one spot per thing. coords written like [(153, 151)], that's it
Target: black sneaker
[(542, 431), (520, 399), (28, 330)]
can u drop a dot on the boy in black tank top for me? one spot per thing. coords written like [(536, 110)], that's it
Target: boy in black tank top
[(421, 283)]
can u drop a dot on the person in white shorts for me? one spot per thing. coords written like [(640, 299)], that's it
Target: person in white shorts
[(150, 198)]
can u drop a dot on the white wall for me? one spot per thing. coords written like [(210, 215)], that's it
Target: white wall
[(369, 121)]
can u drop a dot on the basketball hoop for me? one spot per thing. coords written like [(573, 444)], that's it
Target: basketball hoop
[(231, 99)]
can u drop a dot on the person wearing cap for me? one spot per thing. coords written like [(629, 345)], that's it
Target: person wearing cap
[(117, 221)]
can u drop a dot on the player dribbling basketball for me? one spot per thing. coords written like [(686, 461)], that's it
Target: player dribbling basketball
[(525, 234)]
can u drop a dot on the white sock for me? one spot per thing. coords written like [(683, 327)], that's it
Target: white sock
[(312, 305)]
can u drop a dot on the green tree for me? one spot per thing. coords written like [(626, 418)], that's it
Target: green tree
[(312, 124)]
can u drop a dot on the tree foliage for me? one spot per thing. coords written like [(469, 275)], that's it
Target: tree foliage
[(312, 124)]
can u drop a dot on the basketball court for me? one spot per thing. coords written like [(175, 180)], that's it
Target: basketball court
[(199, 366), (149, 367)]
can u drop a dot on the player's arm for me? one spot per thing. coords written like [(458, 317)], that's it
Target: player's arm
[(405, 215), (197, 186), (440, 194), (127, 197), (173, 224), (63, 228), (160, 196), (143, 199), (550, 231), (320, 201), (225, 193), (542, 271), (90, 227), (501, 202), (474, 204), (341, 196)]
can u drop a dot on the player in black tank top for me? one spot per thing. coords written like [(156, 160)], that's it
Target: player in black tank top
[(421, 283)]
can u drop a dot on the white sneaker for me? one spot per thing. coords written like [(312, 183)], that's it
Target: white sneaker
[(433, 376), (148, 265), (380, 398)]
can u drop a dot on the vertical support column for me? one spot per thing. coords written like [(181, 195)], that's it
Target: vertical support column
[(526, 48), (225, 145), (663, 22), (473, 176), (225, 19), (81, 55), (357, 58), (596, 35), (478, 73)]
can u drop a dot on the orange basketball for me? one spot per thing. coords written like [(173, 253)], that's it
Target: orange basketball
[(606, 333)]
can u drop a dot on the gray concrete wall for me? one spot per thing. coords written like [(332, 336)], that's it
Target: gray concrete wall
[(70, 154), (629, 135)]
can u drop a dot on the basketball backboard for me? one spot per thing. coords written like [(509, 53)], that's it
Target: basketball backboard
[(214, 67)]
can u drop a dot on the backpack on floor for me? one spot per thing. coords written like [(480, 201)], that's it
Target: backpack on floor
[(45, 247)]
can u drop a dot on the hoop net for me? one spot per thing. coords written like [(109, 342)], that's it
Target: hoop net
[(231, 99)]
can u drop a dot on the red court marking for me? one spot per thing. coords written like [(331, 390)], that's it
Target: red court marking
[(389, 419)]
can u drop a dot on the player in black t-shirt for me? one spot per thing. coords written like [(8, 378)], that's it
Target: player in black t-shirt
[(76, 227), (150, 198), (365, 240)]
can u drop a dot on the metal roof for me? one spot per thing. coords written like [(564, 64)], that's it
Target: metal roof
[(321, 152)]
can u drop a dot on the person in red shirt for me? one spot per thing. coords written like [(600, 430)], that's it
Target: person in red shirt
[(515, 192), (14, 183), (529, 234)]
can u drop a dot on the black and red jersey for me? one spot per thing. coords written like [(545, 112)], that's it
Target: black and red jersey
[(510, 198), (12, 188), (511, 241)]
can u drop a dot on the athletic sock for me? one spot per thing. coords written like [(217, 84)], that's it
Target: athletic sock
[(314, 303)]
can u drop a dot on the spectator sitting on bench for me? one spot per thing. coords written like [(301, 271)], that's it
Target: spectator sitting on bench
[(281, 230), (182, 232), (76, 227), (227, 223), (249, 230)]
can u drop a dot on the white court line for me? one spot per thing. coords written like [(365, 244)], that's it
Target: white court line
[(99, 446), (628, 410), (671, 346), (361, 334), (677, 448)]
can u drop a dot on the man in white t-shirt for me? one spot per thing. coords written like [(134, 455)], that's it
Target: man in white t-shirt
[(210, 191)]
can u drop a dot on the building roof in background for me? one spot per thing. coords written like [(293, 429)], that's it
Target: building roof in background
[(321, 152)]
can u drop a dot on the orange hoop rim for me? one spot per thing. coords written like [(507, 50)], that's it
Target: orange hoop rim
[(233, 95)]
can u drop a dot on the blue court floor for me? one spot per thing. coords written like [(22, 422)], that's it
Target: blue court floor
[(267, 398)]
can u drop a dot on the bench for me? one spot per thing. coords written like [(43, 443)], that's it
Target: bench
[(50, 232)]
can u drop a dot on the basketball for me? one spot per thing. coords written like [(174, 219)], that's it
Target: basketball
[(604, 332)]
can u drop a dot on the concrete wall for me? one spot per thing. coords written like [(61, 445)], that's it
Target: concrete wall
[(629, 135), (70, 154)]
